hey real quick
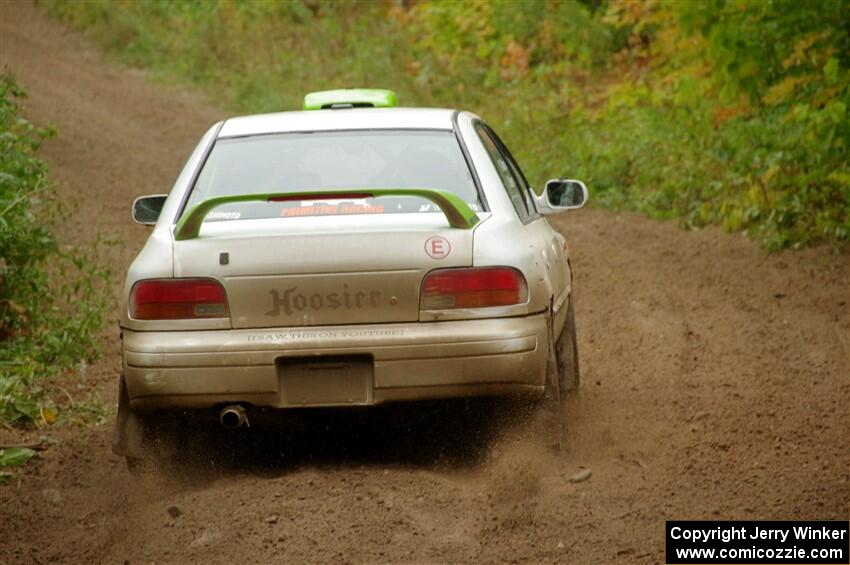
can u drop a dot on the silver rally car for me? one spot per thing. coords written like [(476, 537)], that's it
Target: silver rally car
[(353, 253)]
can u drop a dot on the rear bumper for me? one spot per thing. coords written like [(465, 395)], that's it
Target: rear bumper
[(412, 361)]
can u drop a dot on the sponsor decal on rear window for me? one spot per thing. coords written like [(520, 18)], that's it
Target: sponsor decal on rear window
[(220, 215), (330, 210)]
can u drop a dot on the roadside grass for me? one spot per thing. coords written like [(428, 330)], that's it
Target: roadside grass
[(52, 295)]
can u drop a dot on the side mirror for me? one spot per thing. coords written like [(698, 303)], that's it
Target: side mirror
[(146, 209), (562, 194)]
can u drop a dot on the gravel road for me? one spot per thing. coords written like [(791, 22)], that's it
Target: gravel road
[(716, 385)]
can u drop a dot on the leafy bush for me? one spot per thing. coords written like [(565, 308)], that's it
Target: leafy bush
[(748, 108), (13, 457), (51, 300), (726, 112)]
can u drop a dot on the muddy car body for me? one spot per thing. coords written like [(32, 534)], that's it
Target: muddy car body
[(345, 256)]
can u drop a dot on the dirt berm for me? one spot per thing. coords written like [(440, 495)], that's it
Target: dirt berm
[(716, 385)]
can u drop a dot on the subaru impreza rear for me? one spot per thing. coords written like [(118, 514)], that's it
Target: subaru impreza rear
[(338, 256)]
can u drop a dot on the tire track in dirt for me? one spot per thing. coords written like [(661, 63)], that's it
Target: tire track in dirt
[(716, 384)]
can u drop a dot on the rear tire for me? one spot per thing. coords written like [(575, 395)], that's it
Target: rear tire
[(562, 379), (148, 442), (566, 356), (164, 445), (128, 437)]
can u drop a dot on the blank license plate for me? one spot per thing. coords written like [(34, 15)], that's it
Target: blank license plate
[(325, 381)]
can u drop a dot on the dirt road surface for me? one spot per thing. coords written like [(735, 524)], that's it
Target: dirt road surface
[(716, 385)]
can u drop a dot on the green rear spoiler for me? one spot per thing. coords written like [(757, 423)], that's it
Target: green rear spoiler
[(457, 212)]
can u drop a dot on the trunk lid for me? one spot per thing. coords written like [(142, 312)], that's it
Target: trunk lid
[(331, 270)]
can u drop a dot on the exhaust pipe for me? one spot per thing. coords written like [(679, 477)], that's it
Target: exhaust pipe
[(232, 417)]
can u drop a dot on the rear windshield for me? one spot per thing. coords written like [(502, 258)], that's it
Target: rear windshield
[(325, 161)]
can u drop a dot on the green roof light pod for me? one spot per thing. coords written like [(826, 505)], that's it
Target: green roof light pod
[(457, 212), (351, 98)]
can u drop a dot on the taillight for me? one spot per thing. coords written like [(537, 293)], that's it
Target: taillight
[(473, 288), (177, 299)]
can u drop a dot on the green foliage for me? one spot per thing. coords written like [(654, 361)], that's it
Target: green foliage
[(726, 112), (258, 56), (758, 92), (13, 457), (51, 299)]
